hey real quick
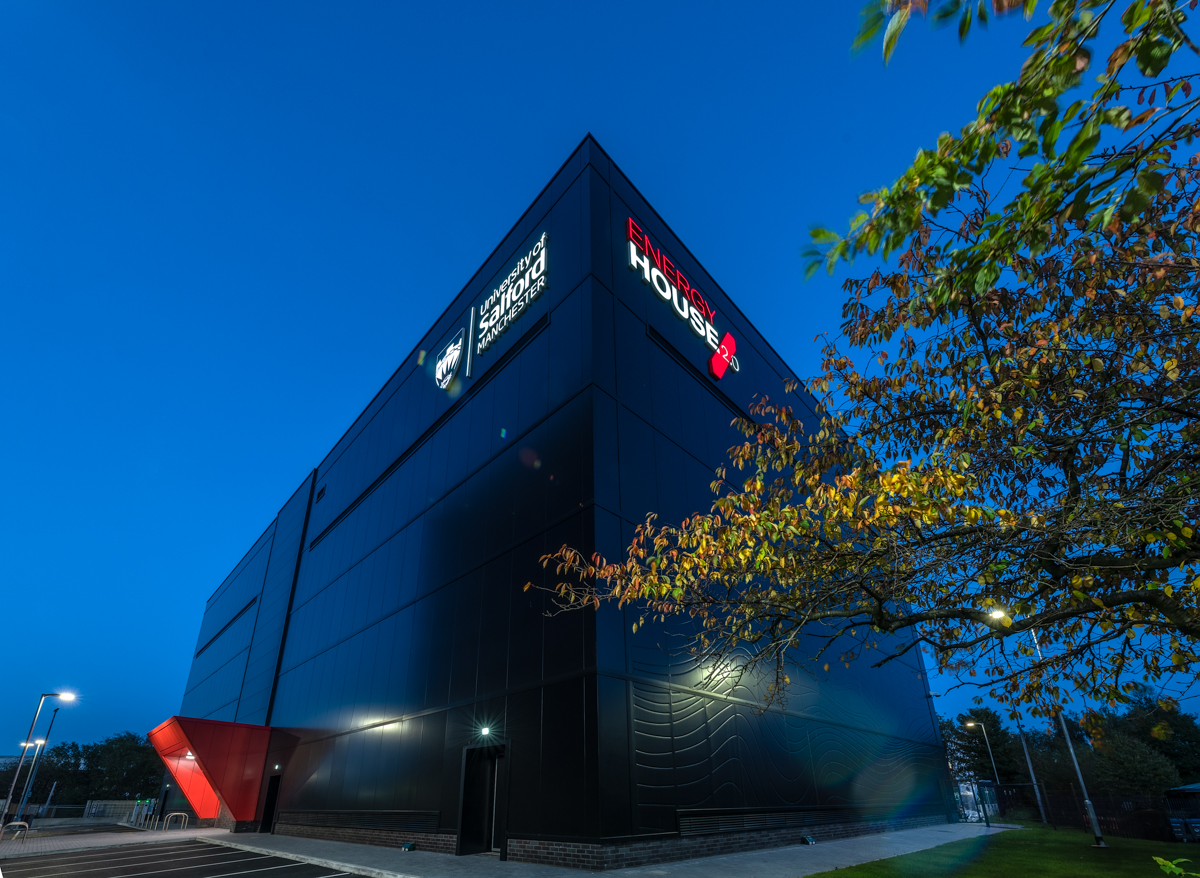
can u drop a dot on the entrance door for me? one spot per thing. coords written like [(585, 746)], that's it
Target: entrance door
[(268, 818), (475, 829)]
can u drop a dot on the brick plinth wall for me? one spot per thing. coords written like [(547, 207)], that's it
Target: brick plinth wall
[(596, 857), (436, 842)]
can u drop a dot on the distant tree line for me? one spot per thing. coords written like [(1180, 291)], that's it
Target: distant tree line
[(122, 766), (1143, 750)]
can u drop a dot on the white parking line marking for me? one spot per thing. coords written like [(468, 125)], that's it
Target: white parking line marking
[(156, 871)]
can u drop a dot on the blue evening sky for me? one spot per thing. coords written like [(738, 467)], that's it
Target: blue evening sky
[(224, 224)]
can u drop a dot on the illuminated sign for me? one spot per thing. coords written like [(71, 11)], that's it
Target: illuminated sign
[(688, 303), (506, 304), (509, 301), (446, 366)]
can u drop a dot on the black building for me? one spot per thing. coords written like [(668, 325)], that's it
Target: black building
[(586, 375)]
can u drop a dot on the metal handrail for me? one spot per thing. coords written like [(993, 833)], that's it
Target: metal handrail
[(182, 823), (22, 827)]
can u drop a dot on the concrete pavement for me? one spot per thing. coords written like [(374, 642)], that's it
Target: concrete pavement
[(789, 862)]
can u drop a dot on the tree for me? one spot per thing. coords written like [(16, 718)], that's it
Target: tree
[(967, 749), (1005, 469), (1124, 764), (1175, 735), (122, 766), (1116, 755)]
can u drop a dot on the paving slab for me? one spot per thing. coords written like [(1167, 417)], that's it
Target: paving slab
[(56, 844), (787, 862)]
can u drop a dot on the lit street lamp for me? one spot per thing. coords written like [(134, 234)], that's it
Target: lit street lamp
[(37, 752), (62, 696), (989, 746), (37, 763)]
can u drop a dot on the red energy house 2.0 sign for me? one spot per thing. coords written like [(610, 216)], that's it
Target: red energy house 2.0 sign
[(660, 274)]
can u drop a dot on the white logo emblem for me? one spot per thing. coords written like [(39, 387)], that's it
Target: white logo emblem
[(448, 361)]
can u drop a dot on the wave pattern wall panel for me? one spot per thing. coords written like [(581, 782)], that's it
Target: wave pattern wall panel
[(693, 751)]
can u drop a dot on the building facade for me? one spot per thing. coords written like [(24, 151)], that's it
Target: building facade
[(586, 375)]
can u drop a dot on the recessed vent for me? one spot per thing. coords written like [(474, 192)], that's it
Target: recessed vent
[(402, 821), (320, 494), (705, 821)]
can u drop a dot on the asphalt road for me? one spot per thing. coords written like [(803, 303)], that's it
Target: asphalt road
[(187, 859)]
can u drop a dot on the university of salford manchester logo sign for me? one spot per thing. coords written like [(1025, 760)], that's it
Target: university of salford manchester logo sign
[(509, 301), (507, 304), (448, 361)]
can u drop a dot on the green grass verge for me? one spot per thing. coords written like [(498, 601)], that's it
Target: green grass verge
[(1034, 852)]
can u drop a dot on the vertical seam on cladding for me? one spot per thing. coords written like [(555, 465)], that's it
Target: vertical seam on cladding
[(287, 616)]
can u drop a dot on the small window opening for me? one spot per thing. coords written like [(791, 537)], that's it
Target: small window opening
[(320, 494)]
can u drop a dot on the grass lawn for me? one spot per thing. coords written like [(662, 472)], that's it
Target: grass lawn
[(1034, 852)]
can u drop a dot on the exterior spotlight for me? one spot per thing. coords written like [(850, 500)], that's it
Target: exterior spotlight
[(67, 696), (485, 730), (277, 768)]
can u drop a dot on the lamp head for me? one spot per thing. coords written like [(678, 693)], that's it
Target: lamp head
[(970, 724), (485, 730), (67, 696), (39, 742)]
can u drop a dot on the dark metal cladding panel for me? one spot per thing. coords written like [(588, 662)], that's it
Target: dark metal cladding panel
[(411, 629)]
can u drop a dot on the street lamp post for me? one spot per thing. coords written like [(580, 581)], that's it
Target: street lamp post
[(64, 696), (37, 751), (1087, 802), (991, 757), (1033, 777), (989, 746), (25, 745), (37, 763)]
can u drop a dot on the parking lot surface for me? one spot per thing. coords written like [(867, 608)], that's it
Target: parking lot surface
[(185, 859)]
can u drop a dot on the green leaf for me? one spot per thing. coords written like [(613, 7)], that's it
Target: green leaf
[(894, 29), (1152, 56), (964, 24), (1135, 202), (946, 11), (873, 15), (1150, 181), (1038, 34)]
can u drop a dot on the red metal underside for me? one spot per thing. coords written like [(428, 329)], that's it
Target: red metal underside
[(214, 762)]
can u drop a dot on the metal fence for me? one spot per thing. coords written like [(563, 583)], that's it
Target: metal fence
[(1157, 818), (118, 809)]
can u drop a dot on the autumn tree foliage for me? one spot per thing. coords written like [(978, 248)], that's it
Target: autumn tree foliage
[(1007, 466)]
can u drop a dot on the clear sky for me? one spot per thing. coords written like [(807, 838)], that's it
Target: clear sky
[(224, 224)]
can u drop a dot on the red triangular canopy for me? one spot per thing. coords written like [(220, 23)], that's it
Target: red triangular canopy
[(214, 762)]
